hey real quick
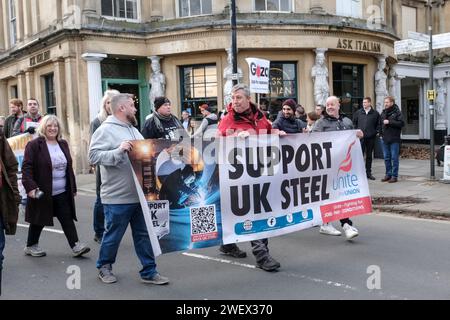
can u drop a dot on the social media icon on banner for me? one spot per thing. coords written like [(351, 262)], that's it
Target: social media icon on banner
[(272, 222)]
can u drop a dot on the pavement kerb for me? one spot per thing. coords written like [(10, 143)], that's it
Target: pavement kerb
[(410, 211)]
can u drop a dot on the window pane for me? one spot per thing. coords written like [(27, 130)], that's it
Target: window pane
[(120, 6), (206, 7), (132, 9), (260, 5), (107, 8), (195, 8), (273, 5), (184, 8), (285, 5), (200, 86)]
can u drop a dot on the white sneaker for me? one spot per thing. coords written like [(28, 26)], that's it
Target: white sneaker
[(350, 232), (34, 251), (329, 230)]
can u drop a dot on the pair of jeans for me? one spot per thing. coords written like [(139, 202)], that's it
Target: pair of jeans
[(2, 242), (391, 153), (367, 145), (117, 218), (61, 211), (99, 218)]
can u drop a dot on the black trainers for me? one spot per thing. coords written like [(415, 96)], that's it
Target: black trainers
[(232, 250), (268, 264)]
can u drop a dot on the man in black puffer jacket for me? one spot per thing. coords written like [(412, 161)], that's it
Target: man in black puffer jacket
[(287, 121), (391, 127), (368, 120)]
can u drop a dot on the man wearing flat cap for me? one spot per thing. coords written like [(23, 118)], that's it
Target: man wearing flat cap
[(162, 124)]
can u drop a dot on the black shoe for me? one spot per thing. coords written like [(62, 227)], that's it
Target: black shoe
[(371, 177), (268, 264), (232, 250)]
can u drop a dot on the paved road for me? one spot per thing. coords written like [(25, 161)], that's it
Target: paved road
[(412, 256)]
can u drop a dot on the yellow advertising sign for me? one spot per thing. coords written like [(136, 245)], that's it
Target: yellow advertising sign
[(431, 95)]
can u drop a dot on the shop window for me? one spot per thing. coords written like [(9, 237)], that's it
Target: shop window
[(123, 9), (189, 8), (273, 5), (348, 85), (199, 86), (283, 86), (50, 99)]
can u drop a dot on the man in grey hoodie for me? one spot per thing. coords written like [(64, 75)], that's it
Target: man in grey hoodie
[(209, 121), (109, 148)]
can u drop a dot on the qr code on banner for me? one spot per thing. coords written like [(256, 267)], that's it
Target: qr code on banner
[(203, 223)]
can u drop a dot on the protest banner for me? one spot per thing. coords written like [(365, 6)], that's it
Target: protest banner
[(271, 185), (259, 73), (18, 144), (179, 193)]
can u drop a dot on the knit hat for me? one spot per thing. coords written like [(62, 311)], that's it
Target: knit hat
[(159, 101), (205, 107), (290, 103)]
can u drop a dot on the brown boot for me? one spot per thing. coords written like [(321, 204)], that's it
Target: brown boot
[(385, 179), (393, 180)]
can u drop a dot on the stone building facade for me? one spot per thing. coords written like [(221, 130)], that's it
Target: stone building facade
[(67, 52)]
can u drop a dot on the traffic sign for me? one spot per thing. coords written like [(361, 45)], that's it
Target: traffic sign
[(419, 36), (431, 95), (407, 46), (441, 41)]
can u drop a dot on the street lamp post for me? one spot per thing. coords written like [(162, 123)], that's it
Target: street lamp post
[(233, 40), (431, 107)]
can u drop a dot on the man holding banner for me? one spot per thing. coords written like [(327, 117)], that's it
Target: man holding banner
[(109, 148), (332, 120), (245, 118), (30, 121)]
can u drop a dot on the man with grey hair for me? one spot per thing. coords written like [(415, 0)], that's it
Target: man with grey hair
[(245, 118), (333, 120), (109, 148)]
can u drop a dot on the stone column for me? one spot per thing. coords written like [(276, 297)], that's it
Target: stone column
[(75, 121), (21, 86), (28, 14), (94, 81), (4, 107), (380, 84), (157, 81), (20, 17), (60, 92), (29, 84), (440, 105)]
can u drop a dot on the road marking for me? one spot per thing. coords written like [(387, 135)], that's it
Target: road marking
[(45, 229), (199, 256), (250, 266)]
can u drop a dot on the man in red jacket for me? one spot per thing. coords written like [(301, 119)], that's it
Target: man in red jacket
[(245, 118)]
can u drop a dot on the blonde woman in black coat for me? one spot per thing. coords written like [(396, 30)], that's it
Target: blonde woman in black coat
[(49, 180)]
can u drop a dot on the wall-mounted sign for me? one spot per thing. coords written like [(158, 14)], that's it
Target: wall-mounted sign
[(358, 45), (39, 58)]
